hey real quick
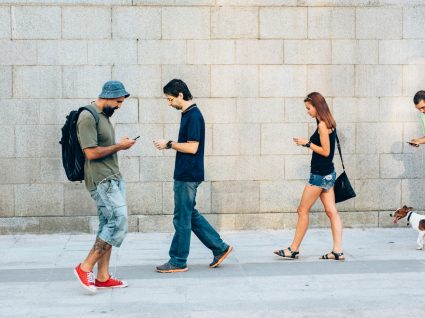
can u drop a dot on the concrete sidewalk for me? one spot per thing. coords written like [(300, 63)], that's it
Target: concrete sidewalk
[(384, 276)]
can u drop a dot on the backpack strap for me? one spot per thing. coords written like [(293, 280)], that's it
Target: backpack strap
[(92, 111)]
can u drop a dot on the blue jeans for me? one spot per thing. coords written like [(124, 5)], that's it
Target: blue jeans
[(112, 211), (187, 219)]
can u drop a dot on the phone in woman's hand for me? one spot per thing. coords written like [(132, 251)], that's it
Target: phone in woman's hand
[(412, 144)]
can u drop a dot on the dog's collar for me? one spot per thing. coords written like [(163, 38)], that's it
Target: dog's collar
[(409, 215)]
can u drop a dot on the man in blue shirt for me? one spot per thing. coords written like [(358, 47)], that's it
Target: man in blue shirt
[(419, 101), (188, 175)]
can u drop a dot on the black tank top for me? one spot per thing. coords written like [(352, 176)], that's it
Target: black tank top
[(319, 164)]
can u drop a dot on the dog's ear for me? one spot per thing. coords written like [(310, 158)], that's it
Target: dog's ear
[(410, 208), (421, 226)]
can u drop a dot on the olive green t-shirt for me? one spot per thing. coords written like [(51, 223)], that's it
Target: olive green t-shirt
[(106, 168)]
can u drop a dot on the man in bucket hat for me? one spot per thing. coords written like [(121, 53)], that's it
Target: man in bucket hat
[(104, 182)]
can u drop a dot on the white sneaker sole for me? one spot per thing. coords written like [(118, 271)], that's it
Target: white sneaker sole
[(89, 288)]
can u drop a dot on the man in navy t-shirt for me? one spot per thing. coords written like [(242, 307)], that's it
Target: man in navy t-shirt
[(188, 175)]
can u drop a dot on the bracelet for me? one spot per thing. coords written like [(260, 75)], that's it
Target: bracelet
[(169, 144)]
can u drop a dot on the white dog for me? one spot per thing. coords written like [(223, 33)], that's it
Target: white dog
[(416, 220)]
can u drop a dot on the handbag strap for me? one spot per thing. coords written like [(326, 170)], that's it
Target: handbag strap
[(339, 149)]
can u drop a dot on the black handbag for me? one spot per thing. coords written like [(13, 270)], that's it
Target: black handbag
[(342, 187)]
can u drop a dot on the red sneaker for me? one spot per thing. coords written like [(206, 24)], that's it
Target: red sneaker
[(85, 278), (112, 282)]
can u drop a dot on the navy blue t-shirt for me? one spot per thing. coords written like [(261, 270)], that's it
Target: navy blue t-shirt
[(189, 167)]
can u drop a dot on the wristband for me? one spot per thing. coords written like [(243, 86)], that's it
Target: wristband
[(307, 145)]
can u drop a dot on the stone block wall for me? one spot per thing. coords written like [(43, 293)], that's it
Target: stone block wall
[(248, 63)]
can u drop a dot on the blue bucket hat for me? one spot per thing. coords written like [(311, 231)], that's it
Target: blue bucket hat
[(113, 89)]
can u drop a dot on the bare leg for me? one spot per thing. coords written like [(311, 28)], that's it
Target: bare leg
[(103, 266), (328, 200), (99, 249), (309, 197)]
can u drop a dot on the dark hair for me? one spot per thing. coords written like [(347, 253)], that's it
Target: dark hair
[(177, 86), (418, 97), (322, 108)]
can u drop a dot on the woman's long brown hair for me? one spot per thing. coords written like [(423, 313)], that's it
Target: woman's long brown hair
[(322, 108)]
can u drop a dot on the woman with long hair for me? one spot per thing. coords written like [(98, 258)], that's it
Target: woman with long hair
[(322, 179)]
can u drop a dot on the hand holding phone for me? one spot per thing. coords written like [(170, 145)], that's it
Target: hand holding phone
[(412, 144)]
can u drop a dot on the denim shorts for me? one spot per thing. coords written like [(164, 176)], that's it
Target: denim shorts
[(112, 211), (324, 182)]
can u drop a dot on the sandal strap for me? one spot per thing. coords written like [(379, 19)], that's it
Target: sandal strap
[(293, 253), (281, 253), (337, 255)]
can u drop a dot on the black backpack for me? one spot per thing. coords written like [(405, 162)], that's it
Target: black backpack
[(72, 155)]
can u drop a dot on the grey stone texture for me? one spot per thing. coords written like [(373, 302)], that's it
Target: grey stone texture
[(186, 23), (39, 200), (86, 22), (379, 23), (129, 22), (259, 52), (13, 225), (230, 23), (7, 201), (6, 81), (19, 52), (208, 52), (37, 82), (249, 64), (355, 52), (36, 22), (5, 30), (84, 81), (140, 80), (20, 170), (154, 52), (331, 23), (62, 52), (283, 23), (235, 197), (77, 200), (112, 52)]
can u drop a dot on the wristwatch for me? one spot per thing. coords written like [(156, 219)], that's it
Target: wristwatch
[(169, 144), (307, 145)]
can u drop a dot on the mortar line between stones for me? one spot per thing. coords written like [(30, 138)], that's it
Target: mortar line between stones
[(10, 23)]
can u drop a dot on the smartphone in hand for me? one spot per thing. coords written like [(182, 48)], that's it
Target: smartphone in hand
[(412, 144)]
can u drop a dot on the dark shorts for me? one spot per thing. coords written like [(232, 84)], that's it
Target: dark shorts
[(324, 182)]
